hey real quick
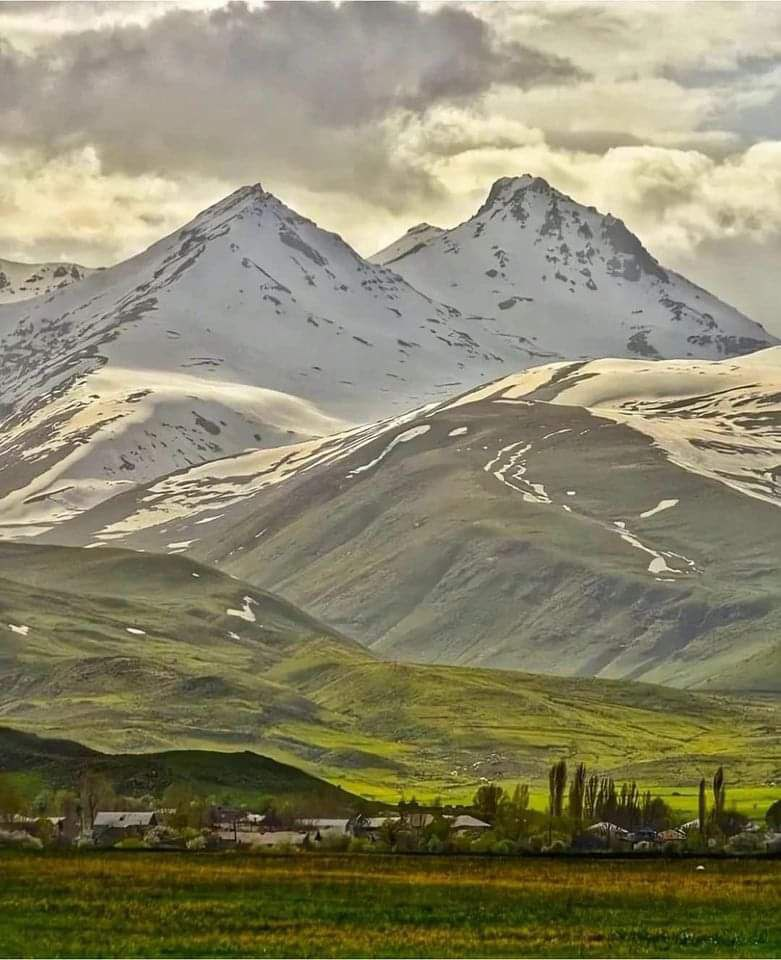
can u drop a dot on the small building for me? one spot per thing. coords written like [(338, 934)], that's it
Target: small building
[(223, 819), (644, 835), (417, 821), (467, 824), (369, 828), (254, 838), (672, 836), (606, 829), (319, 828), (691, 826), (111, 826)]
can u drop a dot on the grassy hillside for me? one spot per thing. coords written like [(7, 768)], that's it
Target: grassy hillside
[(501, 532), (60, 764), (200, 678), (430, 558)]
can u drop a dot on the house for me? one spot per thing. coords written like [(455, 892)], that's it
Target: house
[(417, 821), (109, 827), (223, 819), (466, 824), (256, 839), (672, 836), (318, 828), (644, 835), (368, 827), (606, 829)]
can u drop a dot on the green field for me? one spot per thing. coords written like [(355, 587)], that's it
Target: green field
[(188, 905)]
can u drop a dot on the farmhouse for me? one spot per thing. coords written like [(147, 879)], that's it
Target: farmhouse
[(109, 827)]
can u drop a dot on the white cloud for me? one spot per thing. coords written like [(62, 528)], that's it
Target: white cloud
[(370, 117)]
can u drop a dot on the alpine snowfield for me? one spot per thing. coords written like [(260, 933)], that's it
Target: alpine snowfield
[(252, 328), (23, 281)]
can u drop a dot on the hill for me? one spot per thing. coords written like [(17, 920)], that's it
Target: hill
[(131, 652), (613, 518), (60, 764)]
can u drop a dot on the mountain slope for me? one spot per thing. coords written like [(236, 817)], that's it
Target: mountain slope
[(22, 281), (613, 518), (248, 327), (252, 327), (567, 281), (133, 652)]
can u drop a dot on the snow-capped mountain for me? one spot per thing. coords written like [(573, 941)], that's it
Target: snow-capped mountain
[(248, 327), (21, 281), (413, 240), (567, 281), (615, 518), (252, 327)]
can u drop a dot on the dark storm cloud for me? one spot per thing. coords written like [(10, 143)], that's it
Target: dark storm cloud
[(233, 92)]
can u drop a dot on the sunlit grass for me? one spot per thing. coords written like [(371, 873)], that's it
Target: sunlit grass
[(184, 905)]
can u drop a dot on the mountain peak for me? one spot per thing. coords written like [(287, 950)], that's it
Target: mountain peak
[(424, 227), (507, 190)]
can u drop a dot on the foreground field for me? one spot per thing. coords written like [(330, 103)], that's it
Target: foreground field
[(187, 905)]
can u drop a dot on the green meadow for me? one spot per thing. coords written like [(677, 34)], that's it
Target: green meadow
[(145, 904)]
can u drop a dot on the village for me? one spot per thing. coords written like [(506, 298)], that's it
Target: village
[(585, 815)]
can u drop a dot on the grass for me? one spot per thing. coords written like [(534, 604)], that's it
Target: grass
[(287, 687), (138, 905)]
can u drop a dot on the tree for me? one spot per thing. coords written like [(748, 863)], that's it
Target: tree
[(486, 801), (95, 793), (512, 815), (590, 799), (702, 808), (577, 796), (719, 795), (11, 800), (773, 815), (557, 785)]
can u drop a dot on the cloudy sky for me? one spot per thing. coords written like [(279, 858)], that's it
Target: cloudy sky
[(119, 121)]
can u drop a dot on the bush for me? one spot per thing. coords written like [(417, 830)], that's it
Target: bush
[(501, 848), (331, 843), (45, 831), (361, 845), (130, 843), (161, 836), (197, 842), (435, 845), (557, 846)]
